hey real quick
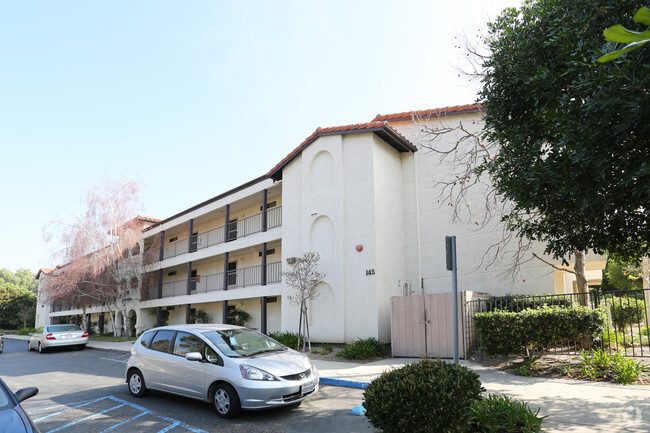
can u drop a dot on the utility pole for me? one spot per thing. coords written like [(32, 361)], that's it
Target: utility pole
[(450, 243)]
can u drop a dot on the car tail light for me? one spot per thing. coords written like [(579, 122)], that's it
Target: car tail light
[(50, 337), (85, 334)]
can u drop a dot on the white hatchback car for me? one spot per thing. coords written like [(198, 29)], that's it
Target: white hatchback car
[(232, 367)]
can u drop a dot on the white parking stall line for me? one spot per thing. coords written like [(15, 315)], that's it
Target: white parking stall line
[(126, 421), (86, 418), (69, 408), (122, 361), (166, 429), (173, 423)]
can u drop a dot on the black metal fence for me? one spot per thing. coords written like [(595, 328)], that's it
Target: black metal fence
[(626, 326)]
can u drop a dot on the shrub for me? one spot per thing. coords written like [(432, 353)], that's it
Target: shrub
[(530, 332), (498, 413), (287, 338), (427, 396), (598, 364), (626, 311), (238, 317), (363, 349), (614, 339), (645, 330), (26, 331), (517, 303)]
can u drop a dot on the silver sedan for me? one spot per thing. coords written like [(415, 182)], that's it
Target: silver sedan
[(232, 367), (58, 336)]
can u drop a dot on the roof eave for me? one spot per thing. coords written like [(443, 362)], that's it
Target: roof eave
[(384, 132)]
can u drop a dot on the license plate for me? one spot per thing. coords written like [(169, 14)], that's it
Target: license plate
[(307, 387)]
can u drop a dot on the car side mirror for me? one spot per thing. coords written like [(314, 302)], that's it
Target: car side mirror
[(25, 393), (194, 356)]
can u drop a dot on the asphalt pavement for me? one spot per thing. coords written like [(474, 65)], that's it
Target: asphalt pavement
[(570, 405)]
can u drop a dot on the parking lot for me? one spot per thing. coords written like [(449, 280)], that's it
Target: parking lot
[(84, 391), (103, 415)]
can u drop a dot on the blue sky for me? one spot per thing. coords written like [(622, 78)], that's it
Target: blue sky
[(196, 97)]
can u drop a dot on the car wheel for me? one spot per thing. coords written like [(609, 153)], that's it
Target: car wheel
[(2, 346), (136, 384), (29, 347), (226, 401), (41, 349)]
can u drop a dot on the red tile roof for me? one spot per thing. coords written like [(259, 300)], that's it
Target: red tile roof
[(381, 128), (147, 219), (457, 109), (45, 271)]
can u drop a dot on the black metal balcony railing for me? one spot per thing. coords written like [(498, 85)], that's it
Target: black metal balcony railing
[(236, 229), (250, 276)]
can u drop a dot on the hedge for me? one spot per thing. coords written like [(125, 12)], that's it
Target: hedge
[(627, 311), (532, 331), (522, 302)]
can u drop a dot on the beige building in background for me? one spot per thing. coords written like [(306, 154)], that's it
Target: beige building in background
[(364, 197)]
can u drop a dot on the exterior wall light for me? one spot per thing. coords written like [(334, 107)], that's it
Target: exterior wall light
[(291, 260)]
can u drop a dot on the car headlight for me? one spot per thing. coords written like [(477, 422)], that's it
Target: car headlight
[(252, 373)]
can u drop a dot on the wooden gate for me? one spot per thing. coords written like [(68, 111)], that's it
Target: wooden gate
[(422, 326)]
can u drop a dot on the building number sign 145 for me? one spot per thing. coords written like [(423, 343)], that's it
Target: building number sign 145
[(370, 272)]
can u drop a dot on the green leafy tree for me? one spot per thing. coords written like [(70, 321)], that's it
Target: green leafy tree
[(17, 306), (621, 274), (633, 39), (573, 155), (22, 278)]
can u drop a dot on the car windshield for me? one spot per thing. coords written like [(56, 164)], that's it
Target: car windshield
[(242, 342), (63, 328)]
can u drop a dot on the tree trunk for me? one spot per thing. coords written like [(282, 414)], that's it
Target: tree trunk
[(125, 324), (300, 326), (581, 278), (113, 317)]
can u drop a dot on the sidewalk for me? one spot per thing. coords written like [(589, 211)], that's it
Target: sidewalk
[(571, 406)]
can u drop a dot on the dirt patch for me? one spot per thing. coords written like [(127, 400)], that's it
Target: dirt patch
[(553, 367), (319, 353)]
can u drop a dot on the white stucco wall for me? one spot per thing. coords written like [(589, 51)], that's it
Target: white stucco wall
[(389, 231), (341, 192), (472, 240)]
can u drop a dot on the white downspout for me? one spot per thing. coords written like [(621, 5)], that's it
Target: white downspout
[(417, 223)]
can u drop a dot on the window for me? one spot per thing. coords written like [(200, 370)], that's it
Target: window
[(162, 340), (186, 343), (174, 239), (232, 274), (268, 252), (146, 338), (212, 356), (171, 274), (232, 230)]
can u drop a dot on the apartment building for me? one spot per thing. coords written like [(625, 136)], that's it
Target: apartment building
[(365, 197)]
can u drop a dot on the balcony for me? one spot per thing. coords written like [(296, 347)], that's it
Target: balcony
[(250, 276), (236, 229)]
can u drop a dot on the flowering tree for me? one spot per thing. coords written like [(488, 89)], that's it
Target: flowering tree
[(303, 277), (101, 251)]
